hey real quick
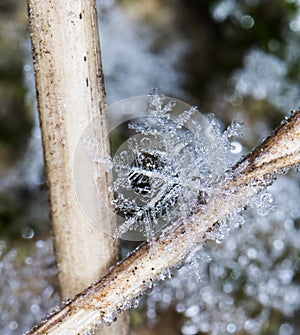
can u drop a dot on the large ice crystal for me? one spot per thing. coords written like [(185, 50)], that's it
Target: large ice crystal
[(166, 170)]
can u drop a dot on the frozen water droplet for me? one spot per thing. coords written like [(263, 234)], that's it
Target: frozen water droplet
[(35, 308), (192, 311), (27, 232), (263, 203), (247, 21), (189, 329), (286, 329), (13, 325), (235, 147), (231, 328), (109, 318)]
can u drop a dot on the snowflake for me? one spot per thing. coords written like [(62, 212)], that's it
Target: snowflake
[(168, 168)]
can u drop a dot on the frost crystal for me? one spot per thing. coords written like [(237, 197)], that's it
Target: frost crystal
[(167, 169), (23, 305)]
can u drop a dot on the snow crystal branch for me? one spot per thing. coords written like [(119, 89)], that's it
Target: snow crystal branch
[(129, 279)]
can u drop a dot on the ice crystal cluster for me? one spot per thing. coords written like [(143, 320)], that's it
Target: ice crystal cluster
[(27, 288), (166, 170), (264, 76), (139, 69)]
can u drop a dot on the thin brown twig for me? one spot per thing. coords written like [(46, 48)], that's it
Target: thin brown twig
[(71, 96)]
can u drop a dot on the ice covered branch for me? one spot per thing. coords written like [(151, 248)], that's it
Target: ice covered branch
[(116, 291)]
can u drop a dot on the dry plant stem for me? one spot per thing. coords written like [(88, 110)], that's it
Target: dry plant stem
[(70, 92), (133, 275)]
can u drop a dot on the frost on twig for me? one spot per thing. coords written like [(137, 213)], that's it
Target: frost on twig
[(118, 289)]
